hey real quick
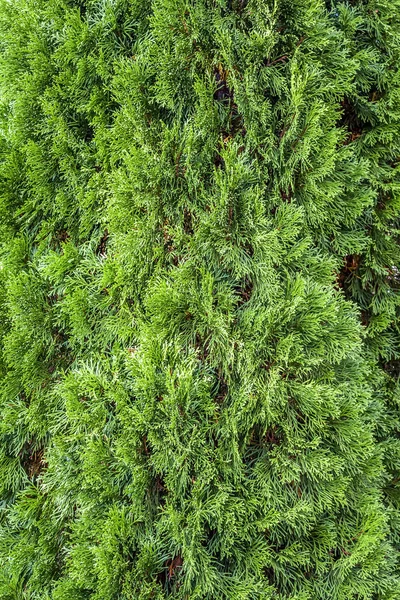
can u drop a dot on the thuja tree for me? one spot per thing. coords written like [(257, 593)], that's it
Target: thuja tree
[(369, 246), (199, 267)]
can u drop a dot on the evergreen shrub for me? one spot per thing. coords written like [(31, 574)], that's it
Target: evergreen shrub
[(199, 299)]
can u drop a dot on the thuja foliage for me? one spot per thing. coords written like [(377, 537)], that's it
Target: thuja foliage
[(199, 299)]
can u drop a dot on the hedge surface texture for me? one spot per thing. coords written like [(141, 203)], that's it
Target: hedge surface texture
[(199, 300)]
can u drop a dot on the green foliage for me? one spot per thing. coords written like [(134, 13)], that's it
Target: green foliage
[(199, 300)]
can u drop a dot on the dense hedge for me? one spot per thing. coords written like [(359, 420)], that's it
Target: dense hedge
[(199, 299)]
